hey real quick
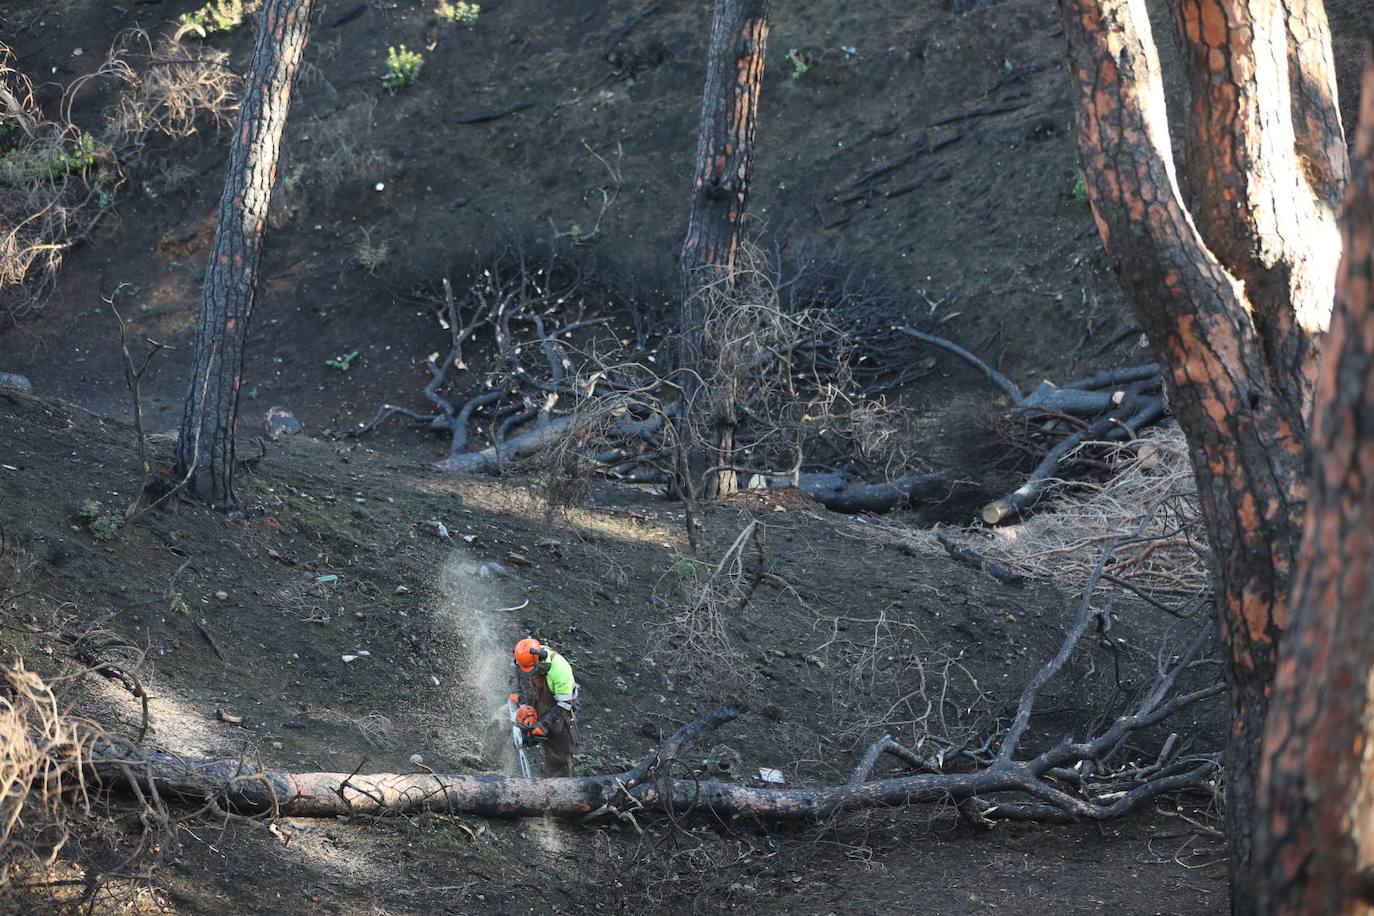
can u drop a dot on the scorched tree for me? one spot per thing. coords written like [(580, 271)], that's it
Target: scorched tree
[(1315, 832), (205, 449), (1231, 269), (720, 190)]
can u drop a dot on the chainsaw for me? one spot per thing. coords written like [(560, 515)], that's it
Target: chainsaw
[(522, 715)]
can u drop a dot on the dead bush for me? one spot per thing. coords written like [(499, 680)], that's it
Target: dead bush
[(339, 159), (42, 787), (1150, 477), (704, 598), (57, 179), (166, 89), (780, 377), (888, 676), (66, 843)]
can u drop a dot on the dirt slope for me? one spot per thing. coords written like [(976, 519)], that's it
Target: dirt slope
[(233, 615), (978, 211), (965, 116)]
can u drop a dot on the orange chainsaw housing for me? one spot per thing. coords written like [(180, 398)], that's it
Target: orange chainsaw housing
[(526, 716)]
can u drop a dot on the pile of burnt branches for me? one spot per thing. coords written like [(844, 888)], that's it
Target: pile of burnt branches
[(527, 315), (1109, 406), (1166, 563), (542, 362), (1121, 693)]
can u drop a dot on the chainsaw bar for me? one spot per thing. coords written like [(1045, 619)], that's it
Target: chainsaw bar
[(517, 738)]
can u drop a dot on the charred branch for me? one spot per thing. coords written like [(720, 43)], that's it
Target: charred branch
[(842, 494)]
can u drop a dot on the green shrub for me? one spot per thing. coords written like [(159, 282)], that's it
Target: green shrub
[(291, 181), (217, 16), (103, 526), (106, 528), (21, 166), (460, 12), (799, 64), (371, 255), (343, 362), (1080, 186), (402, 67)]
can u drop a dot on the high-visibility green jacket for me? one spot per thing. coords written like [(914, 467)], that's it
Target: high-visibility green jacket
[(560, 680)]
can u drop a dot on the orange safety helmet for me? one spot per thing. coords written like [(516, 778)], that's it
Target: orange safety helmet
[(528, 653)]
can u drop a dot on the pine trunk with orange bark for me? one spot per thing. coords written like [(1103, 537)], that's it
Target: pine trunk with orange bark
[(1314, 846), (205, 450), (720, 191), (1233, 286)]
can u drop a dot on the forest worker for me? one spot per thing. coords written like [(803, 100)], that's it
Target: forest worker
[(555, 703)]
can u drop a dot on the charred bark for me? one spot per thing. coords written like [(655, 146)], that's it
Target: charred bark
[(1233, 358), (1314, 846), (1267, 156), (205, 449), (841, 494), (720, 191)]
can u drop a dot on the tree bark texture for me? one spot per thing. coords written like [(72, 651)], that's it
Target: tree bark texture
[(720, 191), (1233, 369), (1267, 161), (205, 449), (1315, 833)]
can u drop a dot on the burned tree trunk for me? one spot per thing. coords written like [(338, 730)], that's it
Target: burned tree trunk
[(1267, 156), (1314, 849), (205, 449), (720, 190), (1234, 359)]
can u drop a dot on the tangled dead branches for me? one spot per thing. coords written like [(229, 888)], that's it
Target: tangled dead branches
[(890, 678), (1151, 484), (707, 596), (1104, 772), (165, 89), (45, 797), (569, 370), (49, 197), (40, 773)]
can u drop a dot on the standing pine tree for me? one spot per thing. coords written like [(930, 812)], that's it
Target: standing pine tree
[(1314, 842), (720, 190), (1233, 283), (205, 450)]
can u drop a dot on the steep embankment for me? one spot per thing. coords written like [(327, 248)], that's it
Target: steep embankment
[(335, 556)]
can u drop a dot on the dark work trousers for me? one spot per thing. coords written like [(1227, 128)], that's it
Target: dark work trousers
[(558, 746)]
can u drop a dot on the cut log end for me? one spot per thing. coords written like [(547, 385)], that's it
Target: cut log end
[(997, 512)]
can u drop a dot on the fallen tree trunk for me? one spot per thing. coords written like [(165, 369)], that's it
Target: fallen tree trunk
[(840, 494), (246, 791), (491, 459), (282, 794)]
